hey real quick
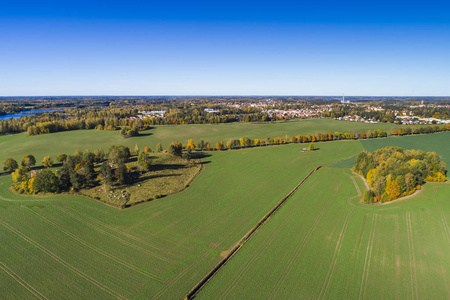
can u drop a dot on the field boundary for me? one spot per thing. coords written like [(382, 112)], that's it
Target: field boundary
[(193, 292)]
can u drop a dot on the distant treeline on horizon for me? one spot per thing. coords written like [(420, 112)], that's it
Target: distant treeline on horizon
[(229, 97)]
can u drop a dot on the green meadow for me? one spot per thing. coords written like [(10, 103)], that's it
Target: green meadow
[(61, 246), (323, 243), (18, 145)]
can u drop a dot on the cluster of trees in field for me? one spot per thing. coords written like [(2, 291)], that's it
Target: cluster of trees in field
[(392, 172), (420, 130), (78, 171), (129, 132)]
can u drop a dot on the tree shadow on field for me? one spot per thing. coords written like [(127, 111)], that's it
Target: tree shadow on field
[(143, 178), (201, 155), (167, 167), (145, 134)]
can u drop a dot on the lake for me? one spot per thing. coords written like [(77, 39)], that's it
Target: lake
[(27, 113)]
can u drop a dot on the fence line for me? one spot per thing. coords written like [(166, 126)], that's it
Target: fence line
[(245, 238)]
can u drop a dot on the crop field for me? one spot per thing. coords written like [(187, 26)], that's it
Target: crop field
[(323, 243), (65, 246), (18, 145), (437, 142)]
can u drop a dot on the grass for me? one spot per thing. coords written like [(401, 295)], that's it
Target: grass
[(66, 246), (18, 145), (168, 175), (324, 243)]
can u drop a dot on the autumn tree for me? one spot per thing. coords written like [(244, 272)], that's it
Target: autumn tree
[(219, 146), (147, 149), (311, 147), (191, 144), (20, 174), (393, 189), (10, 165), (47, 162)]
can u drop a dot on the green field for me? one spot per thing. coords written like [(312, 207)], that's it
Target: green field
[(18, 145), (66, 246), (437, 142), (323, 243)]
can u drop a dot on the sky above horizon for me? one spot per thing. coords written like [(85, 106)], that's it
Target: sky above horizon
[(224, 48)]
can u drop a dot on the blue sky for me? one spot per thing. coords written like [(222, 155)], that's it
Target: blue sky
[(224, 48)]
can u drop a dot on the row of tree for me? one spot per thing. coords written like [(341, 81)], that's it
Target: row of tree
[(420, 130), (392, 172)]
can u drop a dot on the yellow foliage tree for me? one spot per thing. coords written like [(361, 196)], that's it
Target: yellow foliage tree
[(371, 176), (393, 189), (191, 144)]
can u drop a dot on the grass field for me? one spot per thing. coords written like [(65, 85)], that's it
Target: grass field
[(323, 243), (18, 145), (67, 246), (168, 175), (437, 142)]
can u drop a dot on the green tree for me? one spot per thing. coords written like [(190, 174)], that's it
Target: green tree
[(86, 173), (47, 162), (99, 155), (368, 196), (122, 173), (118, 154), (88, 156), (159, 148), (77, 156), (46, 182), (311, 147), (107, 174), (28, 161), (144, 161), (175, 149), (63, 175), (61, 157), (10, 165)]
